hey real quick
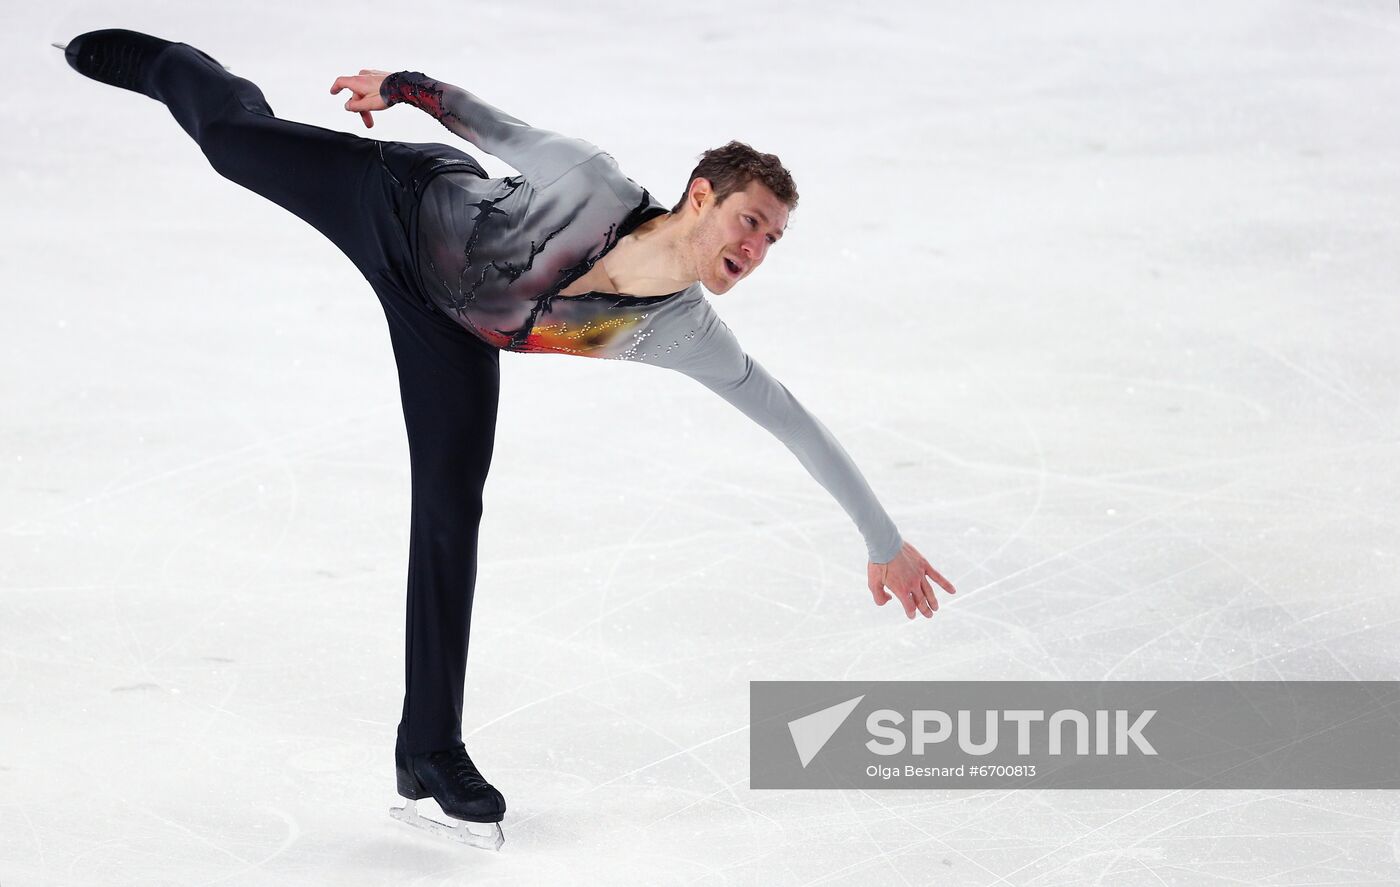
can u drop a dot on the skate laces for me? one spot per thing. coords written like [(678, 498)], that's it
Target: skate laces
[(460, 766)]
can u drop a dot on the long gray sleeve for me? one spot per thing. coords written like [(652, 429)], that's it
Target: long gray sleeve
[(540, 155), (720, 364)]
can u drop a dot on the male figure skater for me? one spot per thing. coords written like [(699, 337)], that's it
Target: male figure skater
[(570, 256)]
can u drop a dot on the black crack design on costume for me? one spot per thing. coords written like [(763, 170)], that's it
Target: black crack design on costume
[(514, 271), (618, 300), (461, 300), (544, 302), (508, 270), (486, 208)]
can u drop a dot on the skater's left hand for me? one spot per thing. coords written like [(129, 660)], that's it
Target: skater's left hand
[(908, 577), (365, 87)]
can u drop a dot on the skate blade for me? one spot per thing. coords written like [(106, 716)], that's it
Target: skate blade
[(484, 835)]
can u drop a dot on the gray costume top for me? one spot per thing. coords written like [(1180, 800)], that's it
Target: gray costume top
[(494, 254)]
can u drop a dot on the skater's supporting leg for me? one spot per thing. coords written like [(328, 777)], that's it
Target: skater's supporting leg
[(449, 382)]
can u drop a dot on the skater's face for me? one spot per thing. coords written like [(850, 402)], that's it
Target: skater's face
[(732, 238)]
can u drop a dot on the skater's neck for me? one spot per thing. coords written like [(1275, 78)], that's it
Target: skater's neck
[(653, 260)]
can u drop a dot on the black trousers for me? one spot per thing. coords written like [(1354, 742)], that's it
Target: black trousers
[(361, 193)]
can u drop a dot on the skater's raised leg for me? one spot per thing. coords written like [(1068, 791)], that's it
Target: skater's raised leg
[(321, 175)]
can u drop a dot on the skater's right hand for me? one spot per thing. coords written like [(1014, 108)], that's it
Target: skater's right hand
[(365, 87)]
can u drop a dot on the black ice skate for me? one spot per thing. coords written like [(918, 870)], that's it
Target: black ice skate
[(450, 778), (118, 57)]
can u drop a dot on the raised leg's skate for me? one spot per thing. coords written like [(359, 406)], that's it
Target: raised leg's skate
[(117, 57), (450, 778)]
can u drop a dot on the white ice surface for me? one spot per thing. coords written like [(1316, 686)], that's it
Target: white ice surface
[(1101, 296)]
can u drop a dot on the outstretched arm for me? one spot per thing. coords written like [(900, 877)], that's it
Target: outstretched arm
[(540, 155), (723, 367)]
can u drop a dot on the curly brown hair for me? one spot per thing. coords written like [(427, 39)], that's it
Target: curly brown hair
[(732, 167)]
